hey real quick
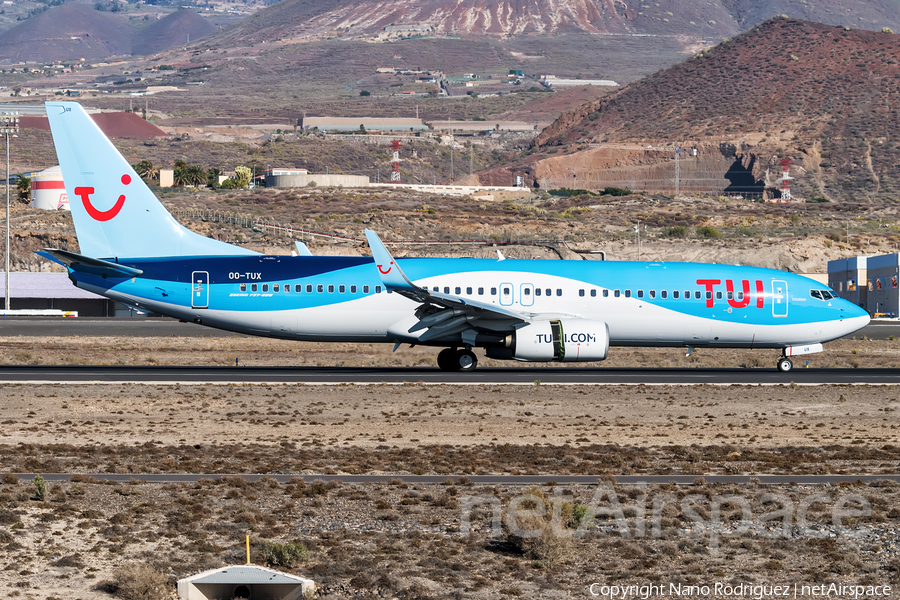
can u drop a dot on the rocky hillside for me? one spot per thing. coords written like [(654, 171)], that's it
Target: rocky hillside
[(827, 98), (706, 19)]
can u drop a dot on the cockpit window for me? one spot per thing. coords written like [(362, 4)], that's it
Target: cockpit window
[(822, 294)]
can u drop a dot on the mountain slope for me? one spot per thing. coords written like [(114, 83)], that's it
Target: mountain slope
[(702, 19), (66, 32), (177, 28), (828, 98)]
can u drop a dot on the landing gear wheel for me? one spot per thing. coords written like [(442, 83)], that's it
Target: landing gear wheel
[(447, 361), (785, 364), (466, 360)]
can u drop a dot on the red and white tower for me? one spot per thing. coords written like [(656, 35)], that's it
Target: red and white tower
[(395, 162), (786, 180)]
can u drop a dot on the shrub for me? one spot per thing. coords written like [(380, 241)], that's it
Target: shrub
[(40, 488), (286, 555), (139, 582), (614, 191), (678, 231), (10, 479), (539, 540), (708, 231)]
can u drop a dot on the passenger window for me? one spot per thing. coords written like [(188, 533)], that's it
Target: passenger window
[(309, 288), (739, 296), (548, 292), (330, 289), (593, 293), (675, 294), (276, 287), (640, 293), (687, 295), (469, 291), (352, 289), (243, 287), (617, 293), (377, 289), (298, 288), (493, 291), (718, 295), (697, 295), (537, 291), (365, 289), (341, 289), (729, 295), (265, 287), (581, 293), (253, 287), (435, 289), (628, 293), (708, 295), (481, 291), (527, 292), (559, 291), (320, 288), (446, 290), (652, 294), (606, 293), (506, 291), (458, 291), (664, 294)]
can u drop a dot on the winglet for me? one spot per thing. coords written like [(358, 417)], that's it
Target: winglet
[(388, 269), (302, 250)]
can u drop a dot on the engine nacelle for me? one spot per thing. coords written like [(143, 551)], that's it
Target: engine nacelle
[(565, 340)]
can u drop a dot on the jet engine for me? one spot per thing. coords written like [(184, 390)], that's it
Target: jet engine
[(564, 340)]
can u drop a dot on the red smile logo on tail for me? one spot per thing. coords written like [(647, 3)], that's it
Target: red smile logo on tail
[(101, 215), (382, 271)]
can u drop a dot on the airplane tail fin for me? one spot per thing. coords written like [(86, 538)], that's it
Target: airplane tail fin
[(115, 213)]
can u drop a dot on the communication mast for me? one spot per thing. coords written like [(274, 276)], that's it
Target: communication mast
[(395, 162), (786, 180)]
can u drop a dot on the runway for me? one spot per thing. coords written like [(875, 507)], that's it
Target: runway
[(434, 376), (165, 327), (487, 479)]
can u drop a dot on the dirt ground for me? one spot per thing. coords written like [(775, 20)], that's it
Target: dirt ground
[(400, 540)]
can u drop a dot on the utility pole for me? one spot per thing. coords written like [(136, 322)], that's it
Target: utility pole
[(9, 123), (471, 157), (452, 176)]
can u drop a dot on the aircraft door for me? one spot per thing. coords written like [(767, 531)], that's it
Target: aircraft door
[(779, 298), (200, 289), (506, 294), (526, 294)]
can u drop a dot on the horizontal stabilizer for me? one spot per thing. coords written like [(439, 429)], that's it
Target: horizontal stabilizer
[(302, 250), (85, 264)]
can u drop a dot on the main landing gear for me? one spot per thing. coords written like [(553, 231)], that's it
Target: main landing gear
[(452, 359), (785, 364)]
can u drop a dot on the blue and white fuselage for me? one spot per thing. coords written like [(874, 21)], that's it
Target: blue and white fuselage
[(530, 310)]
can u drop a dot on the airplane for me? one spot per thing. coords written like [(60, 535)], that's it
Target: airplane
[(132, 250)]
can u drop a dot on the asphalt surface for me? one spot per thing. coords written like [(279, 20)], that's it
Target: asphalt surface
[(489, 479), (165, 327), (432, 375)]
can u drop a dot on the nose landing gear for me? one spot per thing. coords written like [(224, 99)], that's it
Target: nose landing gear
[(453, 359), (785, 364)]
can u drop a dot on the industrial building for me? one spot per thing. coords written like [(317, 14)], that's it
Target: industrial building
[(314, 180), (345, 124), (54, 291), (868, 281), (48, 192)]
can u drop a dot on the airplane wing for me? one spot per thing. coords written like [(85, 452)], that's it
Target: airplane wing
[(443, 315), (85, 264)]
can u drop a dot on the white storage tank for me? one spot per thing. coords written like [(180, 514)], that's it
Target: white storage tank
[(48, 192)]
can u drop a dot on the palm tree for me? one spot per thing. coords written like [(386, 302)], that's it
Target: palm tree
[(147, 171), (195, 175), (24, 187)]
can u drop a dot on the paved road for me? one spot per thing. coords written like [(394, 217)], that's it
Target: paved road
[(490, 479), (432, 375), (164, 327)]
